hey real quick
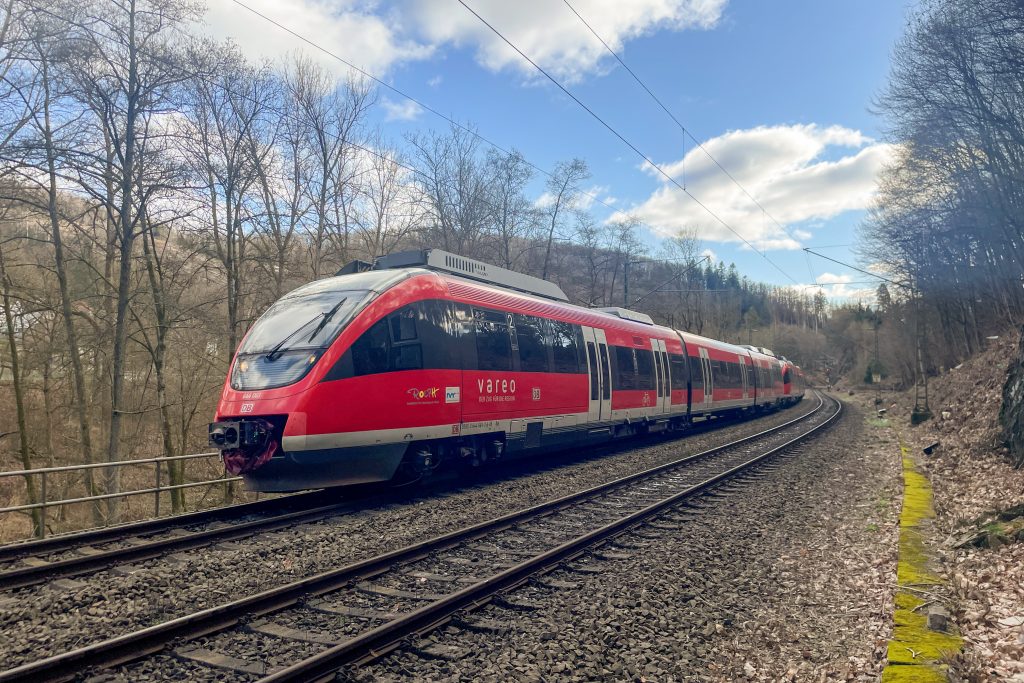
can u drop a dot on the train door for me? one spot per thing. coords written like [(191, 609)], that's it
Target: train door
[(664, 404), (750, 377), (709, 380), (599, 406), (743, 374)]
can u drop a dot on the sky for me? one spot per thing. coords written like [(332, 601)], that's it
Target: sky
[(779, 94)]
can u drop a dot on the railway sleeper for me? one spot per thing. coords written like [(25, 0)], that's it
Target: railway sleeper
[(217, 660), (272, 628)]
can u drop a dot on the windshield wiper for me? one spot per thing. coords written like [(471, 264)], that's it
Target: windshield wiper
[(279, 347), (326, 319)]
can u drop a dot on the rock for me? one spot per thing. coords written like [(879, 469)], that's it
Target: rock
[(938, 618)]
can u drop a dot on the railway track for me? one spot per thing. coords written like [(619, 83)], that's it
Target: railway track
[(35, 562), (68, 555), (358, 612)]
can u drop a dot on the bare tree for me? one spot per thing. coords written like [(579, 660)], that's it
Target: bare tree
[(563, 193), (125, 70), (514, 216), (229, 143), (17, 381), (329, 115), (390, 205), (456, 188)]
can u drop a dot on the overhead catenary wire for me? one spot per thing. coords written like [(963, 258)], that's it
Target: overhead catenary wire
[(624, 140), (418, 102), (483, 138), (293, 117), (902, 285), (686, 131)]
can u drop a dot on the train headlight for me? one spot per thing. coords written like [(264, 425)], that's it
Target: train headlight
[(260, 372)]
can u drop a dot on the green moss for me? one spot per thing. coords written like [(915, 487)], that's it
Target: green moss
[(913, 674), (915, 651)]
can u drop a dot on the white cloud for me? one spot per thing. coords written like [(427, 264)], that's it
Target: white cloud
[(404, 110), (550, 33), (350, 28), (838, 287), (376, 36), (589, 196), (435, 81), (784, 167), (710, 255)]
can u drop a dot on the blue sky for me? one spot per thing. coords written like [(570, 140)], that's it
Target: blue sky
[(778, 91)]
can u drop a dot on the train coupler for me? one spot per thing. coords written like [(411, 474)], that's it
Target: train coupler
[(244, 444)]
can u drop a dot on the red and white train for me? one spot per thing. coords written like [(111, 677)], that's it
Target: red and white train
[(429, 358)]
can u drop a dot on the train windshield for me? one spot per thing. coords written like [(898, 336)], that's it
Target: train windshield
[(302, 322), (287, 340)]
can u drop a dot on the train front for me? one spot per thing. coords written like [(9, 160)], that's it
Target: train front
[(272, 389)]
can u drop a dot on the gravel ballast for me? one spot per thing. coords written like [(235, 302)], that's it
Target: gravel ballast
[(786, 577), (40, 621)]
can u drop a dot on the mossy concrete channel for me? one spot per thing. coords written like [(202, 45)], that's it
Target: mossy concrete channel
[(916, 653)]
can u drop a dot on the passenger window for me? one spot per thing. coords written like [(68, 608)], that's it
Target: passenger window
[(644, 368), (696, 373), (493, 340), (532, 334), (625, 368), (370, 352), (679, 370), (565, 345), (403, 324), (406, 357)]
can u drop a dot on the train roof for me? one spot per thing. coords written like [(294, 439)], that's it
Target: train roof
[(495, 285), (372, 280), (445, 262)]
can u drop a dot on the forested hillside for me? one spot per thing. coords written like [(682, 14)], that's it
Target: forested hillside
[(948, 225)]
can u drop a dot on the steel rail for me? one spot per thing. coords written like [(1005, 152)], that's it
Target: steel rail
[(70, 541), (21, 577), (386, 637), (131, 646)]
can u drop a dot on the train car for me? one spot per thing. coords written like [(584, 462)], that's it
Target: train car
[(792, 382), (430, 358)]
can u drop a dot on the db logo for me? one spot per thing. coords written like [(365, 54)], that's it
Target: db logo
[(647, 399), (247, 407), (536, 393)]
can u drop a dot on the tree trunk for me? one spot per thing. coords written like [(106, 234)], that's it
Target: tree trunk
[(19, 401), (1011, 415), (174, 474), (78, 375), (126, 227)]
